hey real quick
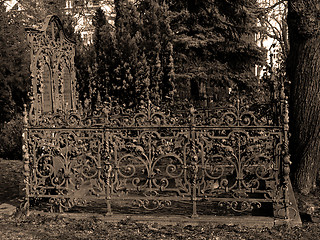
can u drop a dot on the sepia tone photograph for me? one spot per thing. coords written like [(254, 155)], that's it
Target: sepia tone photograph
[(159, 119)]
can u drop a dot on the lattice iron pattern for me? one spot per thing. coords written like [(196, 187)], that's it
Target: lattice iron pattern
[(153, 158)]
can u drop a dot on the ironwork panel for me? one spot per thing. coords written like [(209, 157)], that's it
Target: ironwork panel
[(223, 164), (65, 163), (149, 163), (153, 158), (237, 165)]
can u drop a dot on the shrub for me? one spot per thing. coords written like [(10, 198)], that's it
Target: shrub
[(11, 139)]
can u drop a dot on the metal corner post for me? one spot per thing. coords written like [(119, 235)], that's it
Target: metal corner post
[(26, 160)]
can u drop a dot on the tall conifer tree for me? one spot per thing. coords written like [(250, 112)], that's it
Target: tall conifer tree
[(14, 65), (214, 45), (142, 53), (132, 72), (100, 79), (157, 45)]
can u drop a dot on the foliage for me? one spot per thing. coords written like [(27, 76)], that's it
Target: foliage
[(214, 46), (157, 43), (11, 138), (95, 62), (142, 36), (132, 60), (273, 19), (158, 47), (14, 65), (128, 84), (84, 62), (14, 82)]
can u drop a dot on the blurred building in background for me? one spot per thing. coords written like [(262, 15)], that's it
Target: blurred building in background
[(81, 10), (275, 36)]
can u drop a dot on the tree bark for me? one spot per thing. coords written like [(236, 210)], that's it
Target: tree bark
[(303, 69)]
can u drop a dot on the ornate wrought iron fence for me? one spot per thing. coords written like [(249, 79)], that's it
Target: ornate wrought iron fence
[(229, 156), (232, 157)]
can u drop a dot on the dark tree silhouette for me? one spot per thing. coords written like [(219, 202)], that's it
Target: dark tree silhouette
[(214, 45), (304, 73)]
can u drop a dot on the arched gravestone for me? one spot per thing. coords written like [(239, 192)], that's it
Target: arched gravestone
[(52, 69)]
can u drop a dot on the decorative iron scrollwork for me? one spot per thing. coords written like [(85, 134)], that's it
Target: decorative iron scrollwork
[(240, 206)]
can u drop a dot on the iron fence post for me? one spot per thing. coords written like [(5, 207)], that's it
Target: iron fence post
[(26, 162), (107, 174), (285, 151), (108, 188), (194, 168)]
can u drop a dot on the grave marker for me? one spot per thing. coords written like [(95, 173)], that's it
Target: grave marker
[(52, 69)]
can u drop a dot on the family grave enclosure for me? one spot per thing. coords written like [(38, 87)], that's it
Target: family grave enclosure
[(191, 164)]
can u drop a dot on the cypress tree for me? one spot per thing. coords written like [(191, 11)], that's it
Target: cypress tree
[(84, 63), (14, 67), (157, 44), (100, 79), (214, 46), (133, 58), (128, 85)]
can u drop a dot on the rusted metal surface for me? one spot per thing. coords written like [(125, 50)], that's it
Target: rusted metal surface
[(152, 158), (233, 157)]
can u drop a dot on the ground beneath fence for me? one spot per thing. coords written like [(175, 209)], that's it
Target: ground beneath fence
[(88, 226)]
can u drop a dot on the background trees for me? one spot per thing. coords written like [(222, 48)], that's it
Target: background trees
[(14, 81), (132, 59), (273, 19), (214, 46), (164, 49), (14, 68), (196, 50), (156, 50)]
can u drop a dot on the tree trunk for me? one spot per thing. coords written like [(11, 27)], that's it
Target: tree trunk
[(304, 73)]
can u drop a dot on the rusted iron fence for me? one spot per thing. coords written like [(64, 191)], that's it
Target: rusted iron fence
[(226, 156), (233, 157)]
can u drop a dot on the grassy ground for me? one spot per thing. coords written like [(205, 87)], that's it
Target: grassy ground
[(38, 226)]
